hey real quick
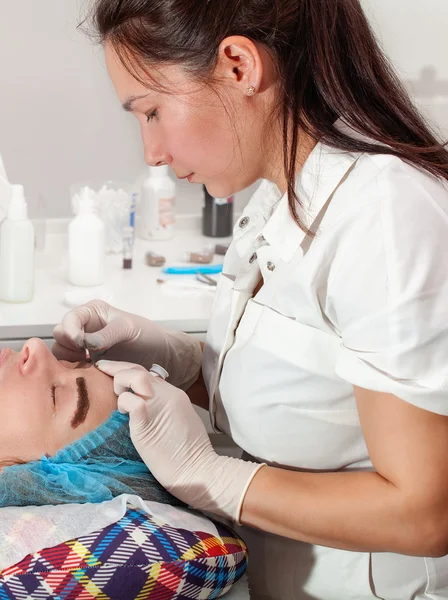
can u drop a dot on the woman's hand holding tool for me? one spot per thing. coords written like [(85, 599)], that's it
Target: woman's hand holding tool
[(173, 442), (118, 335)]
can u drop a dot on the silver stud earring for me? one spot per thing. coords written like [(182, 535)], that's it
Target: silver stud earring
[(251, 90)]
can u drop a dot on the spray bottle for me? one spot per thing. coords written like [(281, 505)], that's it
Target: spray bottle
[(17, 251)]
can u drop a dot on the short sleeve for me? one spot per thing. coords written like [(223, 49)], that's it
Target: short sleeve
[(388, 288)]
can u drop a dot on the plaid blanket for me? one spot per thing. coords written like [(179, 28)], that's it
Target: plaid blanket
[(135, 558)]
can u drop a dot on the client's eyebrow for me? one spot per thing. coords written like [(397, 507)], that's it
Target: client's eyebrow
[(83, 407)]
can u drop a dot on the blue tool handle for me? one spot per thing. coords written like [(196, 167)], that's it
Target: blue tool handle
[(207, 270)]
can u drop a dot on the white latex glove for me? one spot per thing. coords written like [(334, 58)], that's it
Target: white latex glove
[(174, 444), (119, 335)]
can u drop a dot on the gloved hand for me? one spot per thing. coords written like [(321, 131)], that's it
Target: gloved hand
[(100, 327), (173, 442)]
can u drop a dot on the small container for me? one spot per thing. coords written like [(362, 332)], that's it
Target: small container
[(154, 260), (217, 216), (128, 247), (86, 244), (202, 257)]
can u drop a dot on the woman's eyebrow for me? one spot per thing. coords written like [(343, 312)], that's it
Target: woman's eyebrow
[(83, 407)]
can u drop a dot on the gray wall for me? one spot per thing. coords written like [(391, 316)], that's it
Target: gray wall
[(60, 122)]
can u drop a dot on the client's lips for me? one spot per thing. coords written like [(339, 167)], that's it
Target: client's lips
[(4, 355)]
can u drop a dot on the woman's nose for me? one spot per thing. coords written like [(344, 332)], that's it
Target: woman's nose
[(154, 152)]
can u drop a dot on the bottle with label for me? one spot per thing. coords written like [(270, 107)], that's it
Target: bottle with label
[(86, 244), (157, 199), (17, 251)]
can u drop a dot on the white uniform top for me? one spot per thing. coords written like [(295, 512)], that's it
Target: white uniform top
[(364, 303)]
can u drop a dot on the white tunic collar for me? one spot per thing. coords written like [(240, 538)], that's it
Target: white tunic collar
[(267, 215)]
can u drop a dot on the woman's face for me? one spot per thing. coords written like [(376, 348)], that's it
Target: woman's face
[(212, 137), (47, 404)]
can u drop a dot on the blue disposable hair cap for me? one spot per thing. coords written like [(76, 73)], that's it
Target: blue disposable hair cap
[(101, 465)]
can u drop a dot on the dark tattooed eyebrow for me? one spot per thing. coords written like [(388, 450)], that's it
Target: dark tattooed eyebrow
[(83, 403)]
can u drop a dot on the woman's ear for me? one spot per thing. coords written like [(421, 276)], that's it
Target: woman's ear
[(240, 63)]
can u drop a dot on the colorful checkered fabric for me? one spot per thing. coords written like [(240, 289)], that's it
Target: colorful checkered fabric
[(135, 558)]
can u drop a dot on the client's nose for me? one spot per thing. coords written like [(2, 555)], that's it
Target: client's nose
[(33, 354)]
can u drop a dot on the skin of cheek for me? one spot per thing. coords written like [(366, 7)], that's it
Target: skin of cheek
[(216, 142), (29, 427)]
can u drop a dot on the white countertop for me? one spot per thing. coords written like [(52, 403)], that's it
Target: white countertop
[(135, 290)]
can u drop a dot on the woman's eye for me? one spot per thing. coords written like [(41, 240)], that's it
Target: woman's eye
[(151, 116), (53, 394)]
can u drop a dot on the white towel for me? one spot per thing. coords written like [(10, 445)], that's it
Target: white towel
[(28, 530)]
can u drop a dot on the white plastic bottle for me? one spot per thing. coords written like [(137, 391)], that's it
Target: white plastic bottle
[(17, 251), (86, 244), (157, 200)]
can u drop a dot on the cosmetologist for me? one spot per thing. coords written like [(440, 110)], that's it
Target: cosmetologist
[(327, 354)]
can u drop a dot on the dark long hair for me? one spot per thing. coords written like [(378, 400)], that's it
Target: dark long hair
[(329, 63)]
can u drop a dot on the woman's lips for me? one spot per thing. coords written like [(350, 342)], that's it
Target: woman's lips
[(4, 355), (189, 177)]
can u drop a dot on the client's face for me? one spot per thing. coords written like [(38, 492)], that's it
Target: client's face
[(47, 404)]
